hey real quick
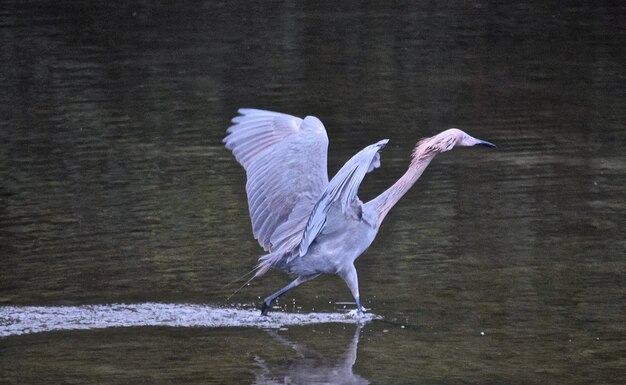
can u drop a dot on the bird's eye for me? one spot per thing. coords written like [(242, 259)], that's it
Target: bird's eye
[(467, 140)]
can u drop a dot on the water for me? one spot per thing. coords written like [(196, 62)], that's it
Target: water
[(503, 266)]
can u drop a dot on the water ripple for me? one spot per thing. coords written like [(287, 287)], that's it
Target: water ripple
[(17, 320)]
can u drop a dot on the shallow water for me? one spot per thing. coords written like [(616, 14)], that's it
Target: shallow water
[(500, 266)]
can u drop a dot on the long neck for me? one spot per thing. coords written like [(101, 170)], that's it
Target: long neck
[(385, 201)]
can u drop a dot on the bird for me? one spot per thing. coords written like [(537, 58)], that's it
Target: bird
[(310, 225)]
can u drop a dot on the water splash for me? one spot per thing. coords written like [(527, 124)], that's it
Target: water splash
[(16, 320)]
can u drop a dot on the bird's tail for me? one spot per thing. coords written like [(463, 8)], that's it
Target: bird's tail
[(265, 263)]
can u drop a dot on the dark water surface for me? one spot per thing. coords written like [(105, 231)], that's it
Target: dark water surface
[(500, 266)]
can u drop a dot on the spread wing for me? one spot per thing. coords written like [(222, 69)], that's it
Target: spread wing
[(285, 161), (343, 189)]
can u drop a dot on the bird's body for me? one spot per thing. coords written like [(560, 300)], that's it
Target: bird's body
[(336, 248), (308, 224)]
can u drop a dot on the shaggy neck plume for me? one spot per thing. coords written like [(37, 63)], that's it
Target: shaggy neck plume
[(424, 152)]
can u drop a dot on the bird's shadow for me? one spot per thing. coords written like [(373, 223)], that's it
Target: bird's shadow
[(310, 367)]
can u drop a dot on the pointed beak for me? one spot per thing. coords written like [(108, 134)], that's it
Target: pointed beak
[(485, 143), (469, 140)]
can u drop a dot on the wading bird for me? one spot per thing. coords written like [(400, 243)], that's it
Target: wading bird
[(308, 224)]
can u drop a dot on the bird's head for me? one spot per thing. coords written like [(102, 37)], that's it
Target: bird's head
[(464, 139), (453, 137), (446, 141)]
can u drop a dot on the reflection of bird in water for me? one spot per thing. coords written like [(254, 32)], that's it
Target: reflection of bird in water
[(308, 224), (312, 367)]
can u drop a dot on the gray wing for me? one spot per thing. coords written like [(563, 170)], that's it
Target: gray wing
[(342, 188), (285, 161)]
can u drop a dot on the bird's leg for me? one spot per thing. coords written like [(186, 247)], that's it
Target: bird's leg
[(352, 280), (267, 302)]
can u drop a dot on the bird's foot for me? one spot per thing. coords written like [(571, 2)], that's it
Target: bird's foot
[(358, 312), (265, 308)]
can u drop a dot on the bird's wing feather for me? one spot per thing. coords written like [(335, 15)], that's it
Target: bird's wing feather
[(285, 161), (342, 188)]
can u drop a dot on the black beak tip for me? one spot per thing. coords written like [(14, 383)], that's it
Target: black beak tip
[(486, 144)]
